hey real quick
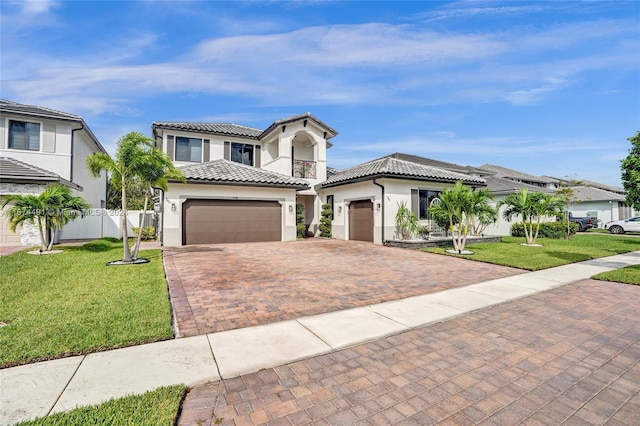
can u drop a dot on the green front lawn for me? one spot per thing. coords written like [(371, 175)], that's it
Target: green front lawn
[(72, 303), (628, 275), (510, 252), (157, 407)]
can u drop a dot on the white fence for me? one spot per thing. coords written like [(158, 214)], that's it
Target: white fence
[(99, 223)]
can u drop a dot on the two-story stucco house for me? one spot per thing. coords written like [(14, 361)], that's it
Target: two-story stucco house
[(242, 183), (39, 146)]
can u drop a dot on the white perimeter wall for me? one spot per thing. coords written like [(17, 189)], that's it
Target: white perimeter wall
[(99, 223)]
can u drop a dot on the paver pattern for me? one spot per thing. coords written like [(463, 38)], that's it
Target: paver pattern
[(567, 356), (223, 287)]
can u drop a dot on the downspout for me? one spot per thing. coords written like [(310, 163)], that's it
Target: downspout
[(160, 232), (381, 207), (72, 145)]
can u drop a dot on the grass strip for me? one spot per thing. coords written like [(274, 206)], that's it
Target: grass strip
[(72, 303), (512, 252), (153, 408), (628, 275)]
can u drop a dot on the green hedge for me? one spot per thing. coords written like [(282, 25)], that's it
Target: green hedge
[(555, 230)]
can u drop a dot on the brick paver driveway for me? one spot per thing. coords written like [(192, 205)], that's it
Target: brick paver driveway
[(223, 287), (567, 356)]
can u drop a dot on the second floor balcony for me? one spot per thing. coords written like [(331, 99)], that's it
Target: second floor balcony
[(304, 169)]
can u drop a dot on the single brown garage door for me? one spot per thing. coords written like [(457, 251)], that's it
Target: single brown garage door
[(361, 220), (230, 221)]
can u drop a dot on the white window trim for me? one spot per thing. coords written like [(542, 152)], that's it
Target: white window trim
[(7, 126), (175, 147)]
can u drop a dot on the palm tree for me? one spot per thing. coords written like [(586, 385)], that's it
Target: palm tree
[(51, 210), (462, 205), (26, 208), (129, 159), (531, 206), (156, 169), (483, 213), (61, 207)]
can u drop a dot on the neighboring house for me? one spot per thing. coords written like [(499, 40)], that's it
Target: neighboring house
[(521, 177), (603, 206), (40, 146), (601, 202), (243, 183)]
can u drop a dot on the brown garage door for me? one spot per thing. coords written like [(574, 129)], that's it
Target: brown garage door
[(230, 221), (361, 220)]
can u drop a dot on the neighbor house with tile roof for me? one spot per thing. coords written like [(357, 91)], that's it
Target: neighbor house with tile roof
[(40, 146)]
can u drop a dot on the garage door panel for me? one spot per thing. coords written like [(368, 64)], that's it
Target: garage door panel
[(231, 221), (7, 237), (361, 220)]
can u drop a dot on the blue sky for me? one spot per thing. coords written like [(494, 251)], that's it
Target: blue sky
[(548, 88)]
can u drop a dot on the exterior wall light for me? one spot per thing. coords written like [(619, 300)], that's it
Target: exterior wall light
[(339, 209), (378, 206), (173, 207), (290, 209)]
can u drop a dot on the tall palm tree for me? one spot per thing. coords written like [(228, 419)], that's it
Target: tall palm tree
[(51, 210), (532, 207), (129, 159), (156, 169)]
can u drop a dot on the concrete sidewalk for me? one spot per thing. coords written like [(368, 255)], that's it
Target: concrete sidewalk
[(39, 389)]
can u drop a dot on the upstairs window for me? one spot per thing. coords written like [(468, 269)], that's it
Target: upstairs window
[(23, 135), (242, 153), (188, 149)]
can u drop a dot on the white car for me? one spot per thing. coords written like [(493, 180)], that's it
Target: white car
[(621, 226)]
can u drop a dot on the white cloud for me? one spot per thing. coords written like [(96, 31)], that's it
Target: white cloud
[(341, 64), (37, 6)]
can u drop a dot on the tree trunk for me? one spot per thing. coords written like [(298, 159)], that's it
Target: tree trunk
[(43, 241), (126, 256), (52, 233), (535, 238), (140, 223)]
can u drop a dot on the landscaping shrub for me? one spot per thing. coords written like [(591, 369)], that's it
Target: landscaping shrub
[(148, 233), (555, 230), (424, 231), (300, 226), (325, 221)]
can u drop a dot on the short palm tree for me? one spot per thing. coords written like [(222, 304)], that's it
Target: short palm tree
[(532, 207), (50, 210), (462, 205), (484, 214)]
